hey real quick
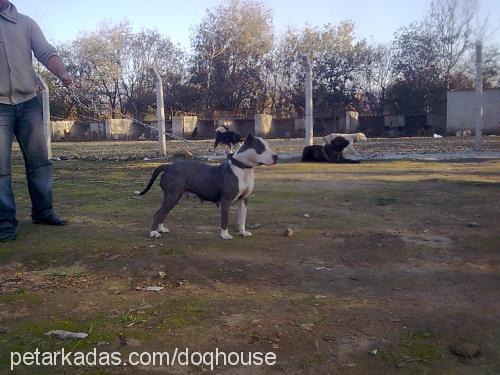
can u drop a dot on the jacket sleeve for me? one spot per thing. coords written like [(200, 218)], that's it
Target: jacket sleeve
[(42, 49)]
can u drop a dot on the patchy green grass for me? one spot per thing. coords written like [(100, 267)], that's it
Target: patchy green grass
[(378, 240), (415, 350)]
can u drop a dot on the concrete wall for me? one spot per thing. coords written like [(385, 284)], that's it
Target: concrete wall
[(183, 126), (266, 125), (372, 126), (437, 123), (263, 125), (123, 129), (70, 131), (462, 107), (61, 130), (394, 121), (285, 128), (205, 129), (244, 126), (97, 131), (394, 126), (300, 125), (118, 129), (351, 122)]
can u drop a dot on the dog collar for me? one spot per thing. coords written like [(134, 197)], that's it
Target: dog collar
[(238, 163)]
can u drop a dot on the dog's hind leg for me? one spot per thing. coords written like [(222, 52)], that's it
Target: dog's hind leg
[(169, 201), (224, 212), (242, 217)]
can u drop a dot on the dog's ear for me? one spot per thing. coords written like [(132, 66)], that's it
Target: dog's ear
[(249, 137)]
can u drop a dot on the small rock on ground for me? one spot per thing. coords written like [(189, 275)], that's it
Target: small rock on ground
[(466, 350)]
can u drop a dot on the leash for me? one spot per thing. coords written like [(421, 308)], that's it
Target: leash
[(94, 109)]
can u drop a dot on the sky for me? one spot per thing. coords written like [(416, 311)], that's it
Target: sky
[(375, 20)]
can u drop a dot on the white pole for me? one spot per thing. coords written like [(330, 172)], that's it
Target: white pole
[(309, 102), (479, 96), (160, 111), (46, 114)]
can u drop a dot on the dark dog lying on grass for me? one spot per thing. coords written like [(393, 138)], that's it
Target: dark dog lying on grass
[(330, 153)]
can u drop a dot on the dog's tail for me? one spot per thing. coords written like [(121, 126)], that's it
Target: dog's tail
[(155, 175)]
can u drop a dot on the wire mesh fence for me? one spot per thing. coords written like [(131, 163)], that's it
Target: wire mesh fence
[(117, 151), (468, 113)]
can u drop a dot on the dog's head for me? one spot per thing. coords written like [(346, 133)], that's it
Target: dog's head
[(338, 143), (359, 137), (255, 151), (222, 129)]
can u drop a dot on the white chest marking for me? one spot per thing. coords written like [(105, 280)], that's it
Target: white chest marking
[(246, 180)]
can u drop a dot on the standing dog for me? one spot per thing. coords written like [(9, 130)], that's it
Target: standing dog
[(352, 138), (224, 184), (227, 137)]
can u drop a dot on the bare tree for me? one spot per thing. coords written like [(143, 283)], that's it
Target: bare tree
[(375, 78), (452, 25), (337, 58), (231, 46)]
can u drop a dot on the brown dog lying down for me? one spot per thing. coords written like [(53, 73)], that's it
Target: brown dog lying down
[(330, 153)]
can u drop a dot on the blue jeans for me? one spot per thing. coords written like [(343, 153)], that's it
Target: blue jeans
[(25, 121)]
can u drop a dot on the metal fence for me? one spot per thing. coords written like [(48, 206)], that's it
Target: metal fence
[(189, 129)]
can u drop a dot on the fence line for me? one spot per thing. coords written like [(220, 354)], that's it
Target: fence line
[(160, 111), (46, 114), (479, 96), (309, 126)]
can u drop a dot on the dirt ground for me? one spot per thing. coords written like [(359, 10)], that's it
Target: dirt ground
[(389, 265)]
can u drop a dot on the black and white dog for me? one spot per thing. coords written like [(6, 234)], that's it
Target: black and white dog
[(352, 138), (227, 137), (329, 153), (231, 181)]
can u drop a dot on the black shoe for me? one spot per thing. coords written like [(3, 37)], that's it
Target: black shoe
[(7, 235), (51, 220)]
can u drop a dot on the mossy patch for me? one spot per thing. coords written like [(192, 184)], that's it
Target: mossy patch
[(415, 349)]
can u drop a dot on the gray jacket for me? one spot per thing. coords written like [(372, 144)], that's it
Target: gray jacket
[(19, 36)]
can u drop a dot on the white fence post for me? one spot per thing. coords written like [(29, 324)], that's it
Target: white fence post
[(479, 96), (309, 102), (46, 114), (160, 111)]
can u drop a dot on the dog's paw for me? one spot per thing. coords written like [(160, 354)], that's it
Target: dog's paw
[(224, 234), (154, 234), (163, 229), (245, 233)]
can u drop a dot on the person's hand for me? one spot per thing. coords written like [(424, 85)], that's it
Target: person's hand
[(67, 79)]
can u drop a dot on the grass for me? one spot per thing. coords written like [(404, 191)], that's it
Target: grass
[(415, 349), (83, 277)]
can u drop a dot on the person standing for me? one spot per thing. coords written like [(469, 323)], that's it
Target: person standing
[(21, 116)]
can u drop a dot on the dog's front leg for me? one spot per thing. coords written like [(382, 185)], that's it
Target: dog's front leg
[(224, 213), (242, 217)]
